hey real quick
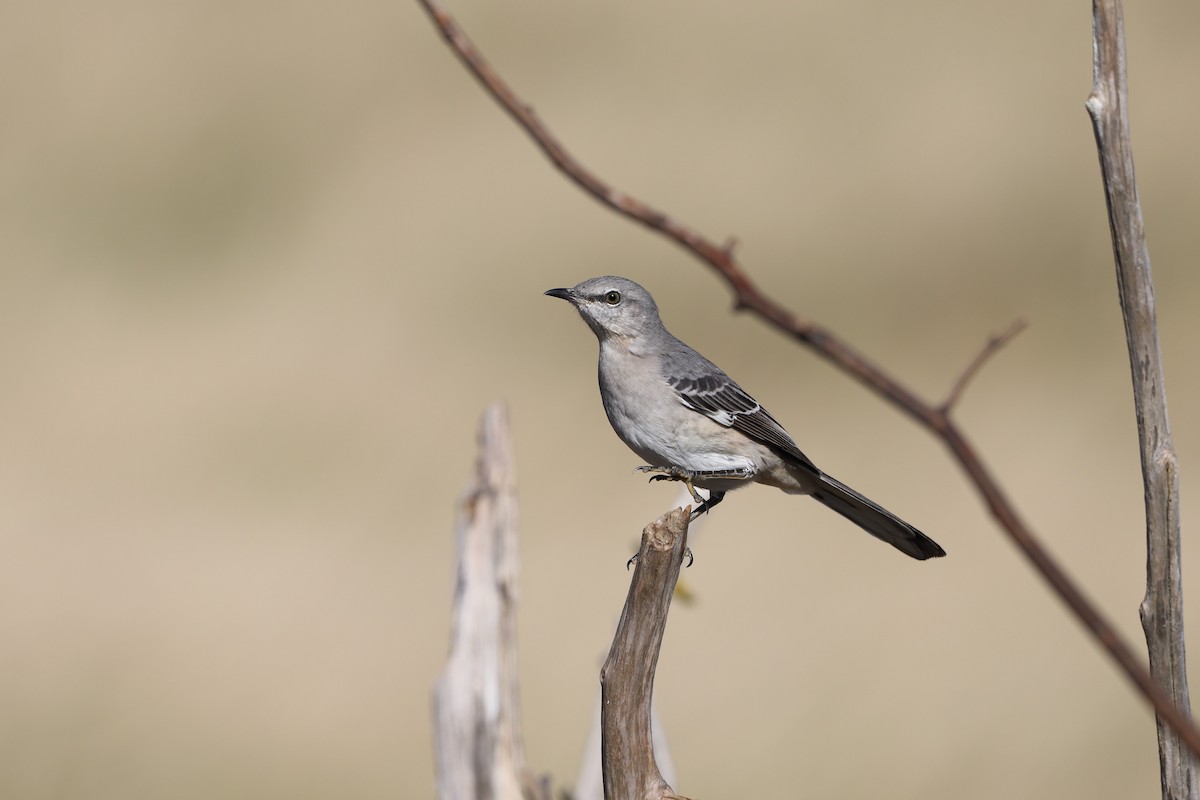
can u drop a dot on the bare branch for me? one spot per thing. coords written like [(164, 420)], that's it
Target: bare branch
[(1162, 609), (993, 344), (747, 296), (627, 679), (475, 710)]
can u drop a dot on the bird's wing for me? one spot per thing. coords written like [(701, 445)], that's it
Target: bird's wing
[(717, 397)]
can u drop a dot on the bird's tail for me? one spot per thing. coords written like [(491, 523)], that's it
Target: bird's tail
[(875, 519)]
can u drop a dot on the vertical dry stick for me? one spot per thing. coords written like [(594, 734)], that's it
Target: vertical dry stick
[(627, 679), (589, 785), (475, 710), (1162, 609)]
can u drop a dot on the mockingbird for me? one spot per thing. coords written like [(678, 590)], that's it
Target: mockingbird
[(692, 423)]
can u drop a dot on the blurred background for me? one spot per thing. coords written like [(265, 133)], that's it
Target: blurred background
[(265, 263)]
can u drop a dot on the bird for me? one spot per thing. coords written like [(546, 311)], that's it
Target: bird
[(693, 423)]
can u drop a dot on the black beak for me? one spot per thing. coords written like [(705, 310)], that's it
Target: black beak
[(562, 294)]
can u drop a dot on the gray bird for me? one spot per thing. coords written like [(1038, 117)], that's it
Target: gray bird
[(692, 423)]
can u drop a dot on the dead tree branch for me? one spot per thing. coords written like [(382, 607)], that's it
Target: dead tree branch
[(627, 679), (747, 296), (476, 716), (1162, 609)]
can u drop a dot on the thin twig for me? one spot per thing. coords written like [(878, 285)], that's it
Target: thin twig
[(747, 296), (994, 343)]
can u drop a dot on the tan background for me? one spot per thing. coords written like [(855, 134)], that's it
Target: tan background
[(265, 262)]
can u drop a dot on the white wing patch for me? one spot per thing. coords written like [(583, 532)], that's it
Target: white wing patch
[(721, 416)]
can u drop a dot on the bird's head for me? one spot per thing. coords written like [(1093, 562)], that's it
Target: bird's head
[(613, 306)]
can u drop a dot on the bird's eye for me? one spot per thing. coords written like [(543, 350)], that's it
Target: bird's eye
[(612, 298)]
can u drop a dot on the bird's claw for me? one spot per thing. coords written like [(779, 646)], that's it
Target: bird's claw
[(687, 553)]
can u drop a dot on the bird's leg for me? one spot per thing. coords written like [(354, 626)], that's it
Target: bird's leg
[(703, 508)]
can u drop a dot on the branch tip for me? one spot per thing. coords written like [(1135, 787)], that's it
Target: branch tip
[(994, 343)]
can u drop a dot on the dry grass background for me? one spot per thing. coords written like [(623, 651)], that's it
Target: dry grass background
[(266, 262)]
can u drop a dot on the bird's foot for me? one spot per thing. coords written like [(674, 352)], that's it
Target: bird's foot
[(675, 474)]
